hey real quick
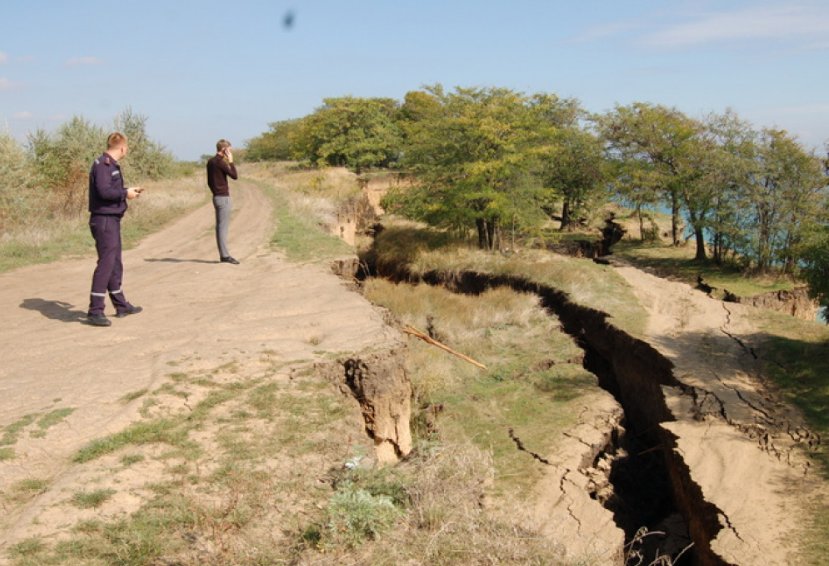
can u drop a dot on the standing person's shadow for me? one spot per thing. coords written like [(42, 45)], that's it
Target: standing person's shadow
[(56, 310)]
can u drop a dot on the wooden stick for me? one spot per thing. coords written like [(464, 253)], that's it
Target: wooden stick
[(428, 339)]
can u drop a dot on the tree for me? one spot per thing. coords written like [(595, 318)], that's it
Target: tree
[(784, 195), (726, 168), (473, 152), (146, 159), (655, 147), (17, 183), (62, 159), (576, 173), (277, 144), (813, 253), (357, 133)]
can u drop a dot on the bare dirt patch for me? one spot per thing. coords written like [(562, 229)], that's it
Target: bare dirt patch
[(206, 326), (744, 447)]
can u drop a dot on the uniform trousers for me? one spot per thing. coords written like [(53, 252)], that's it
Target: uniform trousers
[(109, 272)]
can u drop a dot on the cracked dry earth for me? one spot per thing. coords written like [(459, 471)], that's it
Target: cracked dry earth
[(199, 315), (739, 440)]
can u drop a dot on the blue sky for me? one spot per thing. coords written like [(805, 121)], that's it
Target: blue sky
[(200, 71)]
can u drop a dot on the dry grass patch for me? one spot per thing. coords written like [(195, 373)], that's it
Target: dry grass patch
[(533, 373), (47, 238), (421, 250), (436, 500)]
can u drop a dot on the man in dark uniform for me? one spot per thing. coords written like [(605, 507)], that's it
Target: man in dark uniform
[(107, 205), (219, 168)]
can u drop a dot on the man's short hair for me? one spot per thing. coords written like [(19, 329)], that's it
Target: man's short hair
[(222, 144), (116, 140)]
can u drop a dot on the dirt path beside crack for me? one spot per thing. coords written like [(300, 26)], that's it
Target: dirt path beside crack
[(739, 440), (198, 315)]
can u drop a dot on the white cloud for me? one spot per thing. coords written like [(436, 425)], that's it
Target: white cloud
[(772, 22), (4, 57), (6, 84), (24, 115), (687, 25), (76, 61)]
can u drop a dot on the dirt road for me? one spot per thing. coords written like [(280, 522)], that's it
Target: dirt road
[(198, 313)]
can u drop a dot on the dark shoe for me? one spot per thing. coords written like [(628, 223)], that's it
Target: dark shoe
[(229, 259), (98, 320), (131, 310)]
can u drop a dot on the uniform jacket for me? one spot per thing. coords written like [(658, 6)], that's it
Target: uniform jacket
[(107, 194)]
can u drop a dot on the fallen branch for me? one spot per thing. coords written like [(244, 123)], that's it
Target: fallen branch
[(428, 339)]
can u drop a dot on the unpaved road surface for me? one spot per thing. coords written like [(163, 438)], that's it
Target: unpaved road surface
[(198, 313)]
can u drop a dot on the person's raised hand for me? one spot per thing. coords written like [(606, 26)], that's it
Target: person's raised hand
[(134, 192)]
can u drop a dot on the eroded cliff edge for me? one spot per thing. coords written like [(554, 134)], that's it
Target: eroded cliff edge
[(694, 394)]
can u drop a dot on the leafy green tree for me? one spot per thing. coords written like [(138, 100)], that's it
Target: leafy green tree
[(473, 152), (62, 159), (277, 144), (726, 170), (813, 253), (18, 180), (655, 147), (785, 195), (576, 173), (357, 133), (146, 159)]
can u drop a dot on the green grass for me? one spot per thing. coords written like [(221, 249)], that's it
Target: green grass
[(678, 263), (91, 499), (529, 385), (13, 431), (794, 356), (166, 431), (795, 359), (24, 490), (51, 419), (301, 238), (422, 250), (133, 396)]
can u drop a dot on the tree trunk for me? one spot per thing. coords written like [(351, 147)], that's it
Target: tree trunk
[(700, 236), (492, 232), (566, 223), (488, 233), (481, 224), (675, 220), (641, 223), (718, 251)]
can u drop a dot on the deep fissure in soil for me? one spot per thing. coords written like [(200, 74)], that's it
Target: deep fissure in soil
[(652, 484)]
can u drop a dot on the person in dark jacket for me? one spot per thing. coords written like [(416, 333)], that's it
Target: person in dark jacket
[(107, 204), (219, 168)]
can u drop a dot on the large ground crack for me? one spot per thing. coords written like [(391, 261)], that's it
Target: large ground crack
[(747, 349), (652, 482)]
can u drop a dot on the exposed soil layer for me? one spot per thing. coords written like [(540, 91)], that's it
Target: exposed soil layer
[(645, 382)]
